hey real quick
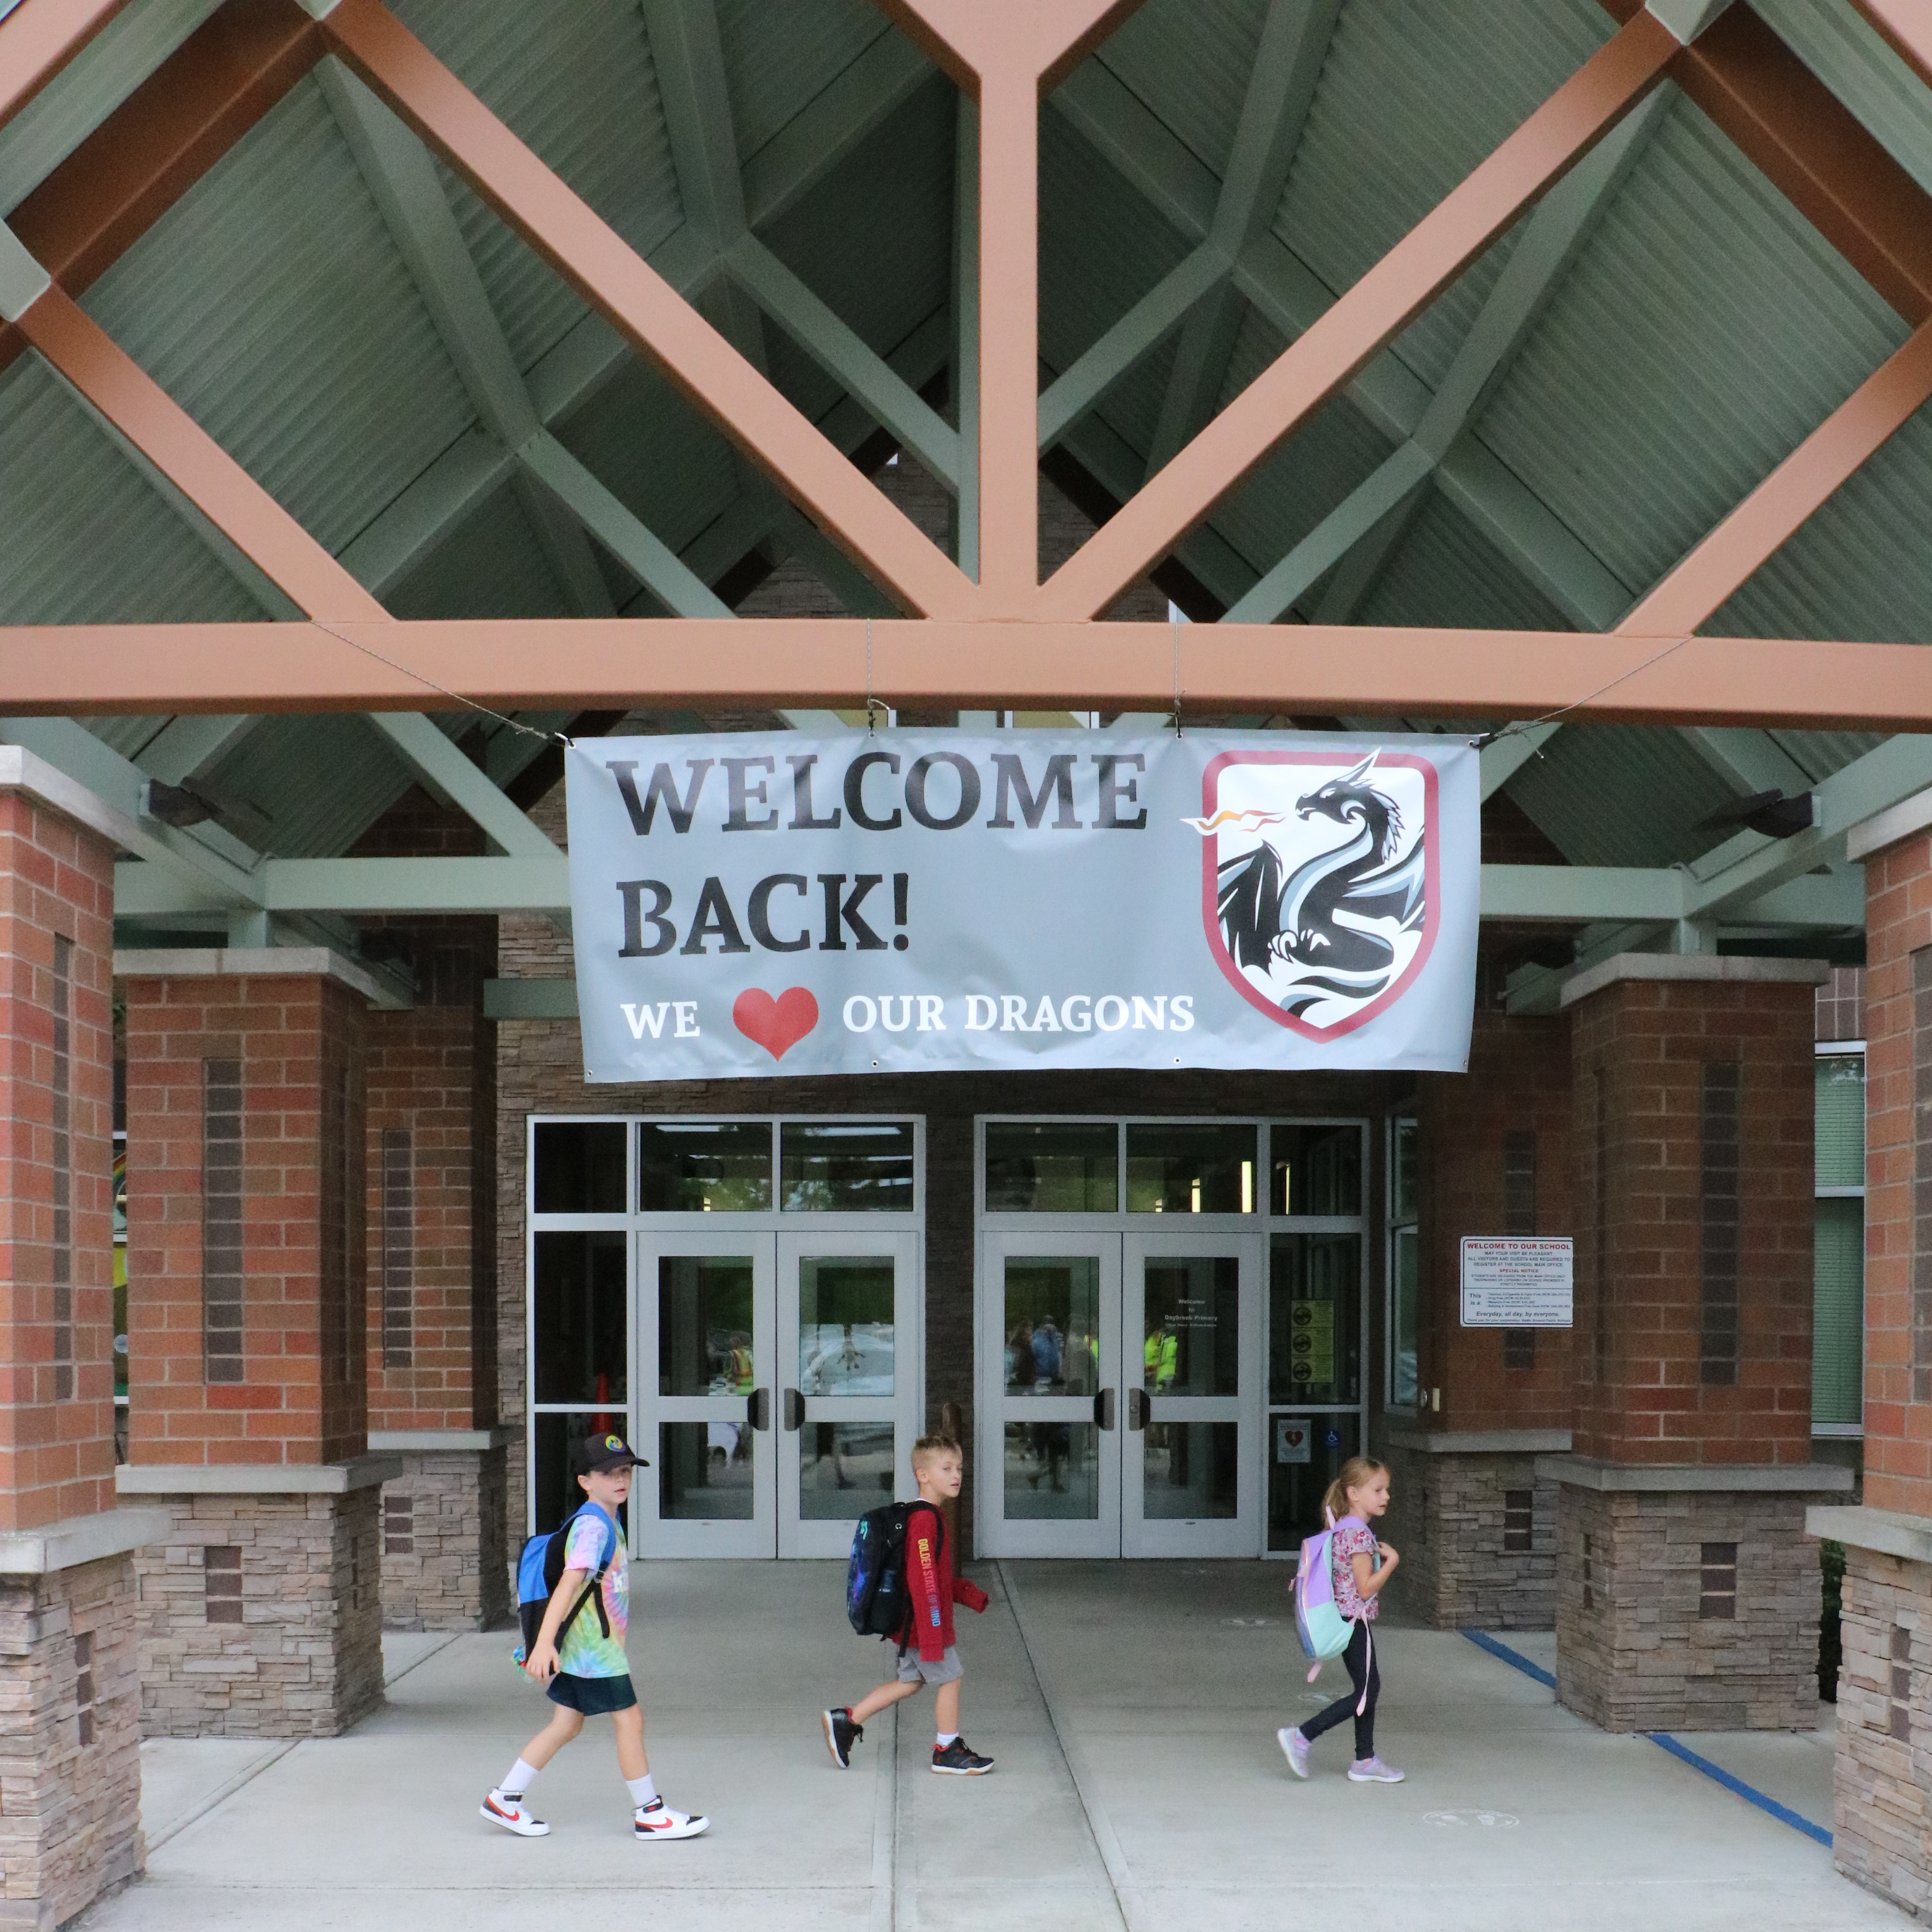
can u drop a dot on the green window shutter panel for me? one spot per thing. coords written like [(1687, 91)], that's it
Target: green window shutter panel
[(1838, 1312), (1841, 1120)]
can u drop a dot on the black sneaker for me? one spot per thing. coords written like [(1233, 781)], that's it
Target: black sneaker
[(959, 1760), (841, 1735)]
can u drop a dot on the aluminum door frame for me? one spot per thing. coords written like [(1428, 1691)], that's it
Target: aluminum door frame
[(652, 1534), (1205, 1536), (995, 1534), (792, 1409)]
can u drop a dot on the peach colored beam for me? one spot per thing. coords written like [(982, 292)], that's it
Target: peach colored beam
[(1732, 554), (190, 459), (38, 38), (567, 664), (645, 309), (1405, 280)]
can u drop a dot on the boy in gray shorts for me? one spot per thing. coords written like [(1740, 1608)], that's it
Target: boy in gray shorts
[(929, 1656)]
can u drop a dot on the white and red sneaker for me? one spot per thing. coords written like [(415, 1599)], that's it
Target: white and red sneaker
[(514, 1815), (658, 1820)]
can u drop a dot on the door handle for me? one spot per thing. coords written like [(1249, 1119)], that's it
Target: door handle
[(1103, 1408), (758, 1409), (794, 1409), (1137, 1408)]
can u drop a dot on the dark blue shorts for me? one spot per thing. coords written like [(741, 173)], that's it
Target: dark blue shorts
[(593, 1696)]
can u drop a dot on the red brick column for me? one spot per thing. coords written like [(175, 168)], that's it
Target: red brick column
[(432, 1325), (1476, 1524), (1687, 1594), (70, 1762), (1882, 1815), (246, 1076)]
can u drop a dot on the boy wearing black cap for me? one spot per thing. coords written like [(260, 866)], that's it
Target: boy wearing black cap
[(590, 1675)]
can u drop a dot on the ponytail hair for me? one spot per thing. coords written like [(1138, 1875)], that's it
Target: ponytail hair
[(1355, 1474)]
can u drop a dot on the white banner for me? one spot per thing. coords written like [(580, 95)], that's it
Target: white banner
[(746, 905)]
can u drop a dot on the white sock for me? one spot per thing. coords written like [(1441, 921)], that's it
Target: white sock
[(945, 1738), (644, 1790), (518, 1782)]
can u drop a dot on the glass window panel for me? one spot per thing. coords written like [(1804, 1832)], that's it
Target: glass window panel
[(1191, 1345), (845, 1330), (1315, 1303), (580, 1168), (696, 1167), (1306, 1453), (1315, 1170), (1052, 1472), (1052, 1167), (555, 1491), (1404, 1263), (704, 1325), (120, 1320), (1840, 1119), (844, 1164), (1188, 1469), (704, 1472), (1053, 1325), (1402, 1170), (845, 1468), (581, 1317), (1838, 1315), (1177, 1169)]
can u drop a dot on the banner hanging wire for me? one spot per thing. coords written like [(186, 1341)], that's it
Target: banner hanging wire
[(429, 683), (1520, 725)]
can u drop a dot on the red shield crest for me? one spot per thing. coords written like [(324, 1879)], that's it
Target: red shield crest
[(1320, 880)]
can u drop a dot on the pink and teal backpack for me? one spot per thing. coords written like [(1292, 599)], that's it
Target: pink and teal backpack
[(1323, 1631)]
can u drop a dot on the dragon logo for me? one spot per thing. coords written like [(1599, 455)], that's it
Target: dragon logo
[(1319, 880)]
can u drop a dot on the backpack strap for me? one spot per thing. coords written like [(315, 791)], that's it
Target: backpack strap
[(594, 1588)]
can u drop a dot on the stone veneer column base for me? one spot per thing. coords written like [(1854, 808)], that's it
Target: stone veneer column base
[(1632, 1652), (70, 1767), (1881, 1785), (445, 1548), (304, 1657), (1448, 1491)]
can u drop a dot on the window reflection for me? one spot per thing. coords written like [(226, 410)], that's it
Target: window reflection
[(1314, 1169), (846, 1166), (1176, 1168), (697, 1167), (581, 1321), (1052, 1167)]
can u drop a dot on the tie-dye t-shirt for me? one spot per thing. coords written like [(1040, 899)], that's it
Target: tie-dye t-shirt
[(585, 1651)]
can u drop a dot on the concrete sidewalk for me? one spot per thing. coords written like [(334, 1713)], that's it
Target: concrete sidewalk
[(1132, 1709)]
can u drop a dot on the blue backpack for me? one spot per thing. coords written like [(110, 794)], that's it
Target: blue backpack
[(540, 1567), (876, 1602)]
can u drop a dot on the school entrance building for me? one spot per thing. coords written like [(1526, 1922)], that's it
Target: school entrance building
[(389, 392)]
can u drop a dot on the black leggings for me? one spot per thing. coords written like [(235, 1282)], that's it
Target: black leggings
[(1360, 1659)]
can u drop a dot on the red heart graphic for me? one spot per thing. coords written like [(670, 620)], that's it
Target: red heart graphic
[(777, 1025)]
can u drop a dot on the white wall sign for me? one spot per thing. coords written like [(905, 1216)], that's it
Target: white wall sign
[(1517, 1281)]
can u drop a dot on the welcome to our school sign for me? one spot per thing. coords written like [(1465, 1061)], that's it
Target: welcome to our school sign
[(771, 903)]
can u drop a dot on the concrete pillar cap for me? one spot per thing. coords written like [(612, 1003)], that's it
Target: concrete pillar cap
[(1688, 968)]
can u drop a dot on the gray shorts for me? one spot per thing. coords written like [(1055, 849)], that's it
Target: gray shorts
[(913, 1669)]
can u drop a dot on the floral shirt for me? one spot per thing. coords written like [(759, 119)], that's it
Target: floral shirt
[(1352, 1540), (585, 1651)]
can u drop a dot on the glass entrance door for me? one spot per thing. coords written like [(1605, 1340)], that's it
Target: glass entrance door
[(1189, 1482), (706, 1326), (1050, 1348), (848, 1352), (1120, 1389), (779, 1381)]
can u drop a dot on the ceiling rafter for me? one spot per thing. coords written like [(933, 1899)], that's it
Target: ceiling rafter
[(38, 38)]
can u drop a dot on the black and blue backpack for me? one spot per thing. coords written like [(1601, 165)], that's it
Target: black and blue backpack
[(540, 1567), (877, 1603)]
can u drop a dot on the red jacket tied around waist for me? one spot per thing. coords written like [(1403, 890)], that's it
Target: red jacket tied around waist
[(931, 1586)]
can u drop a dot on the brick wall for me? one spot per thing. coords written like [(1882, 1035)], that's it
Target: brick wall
[(300, 1041), (1841, 1004), (1514, 1101), (56, 1418), (1641, 1048), (1898, 1245)]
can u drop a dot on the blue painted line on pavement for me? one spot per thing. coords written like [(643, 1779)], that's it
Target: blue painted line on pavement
[(1515, 1659), (1749, 1793), (1664, 1740)]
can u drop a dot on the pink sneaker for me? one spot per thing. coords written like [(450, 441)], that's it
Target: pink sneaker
[(1372, 1770), (1296, 1746)]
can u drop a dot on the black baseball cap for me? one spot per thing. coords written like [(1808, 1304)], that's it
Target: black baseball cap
[(606, 1452)]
